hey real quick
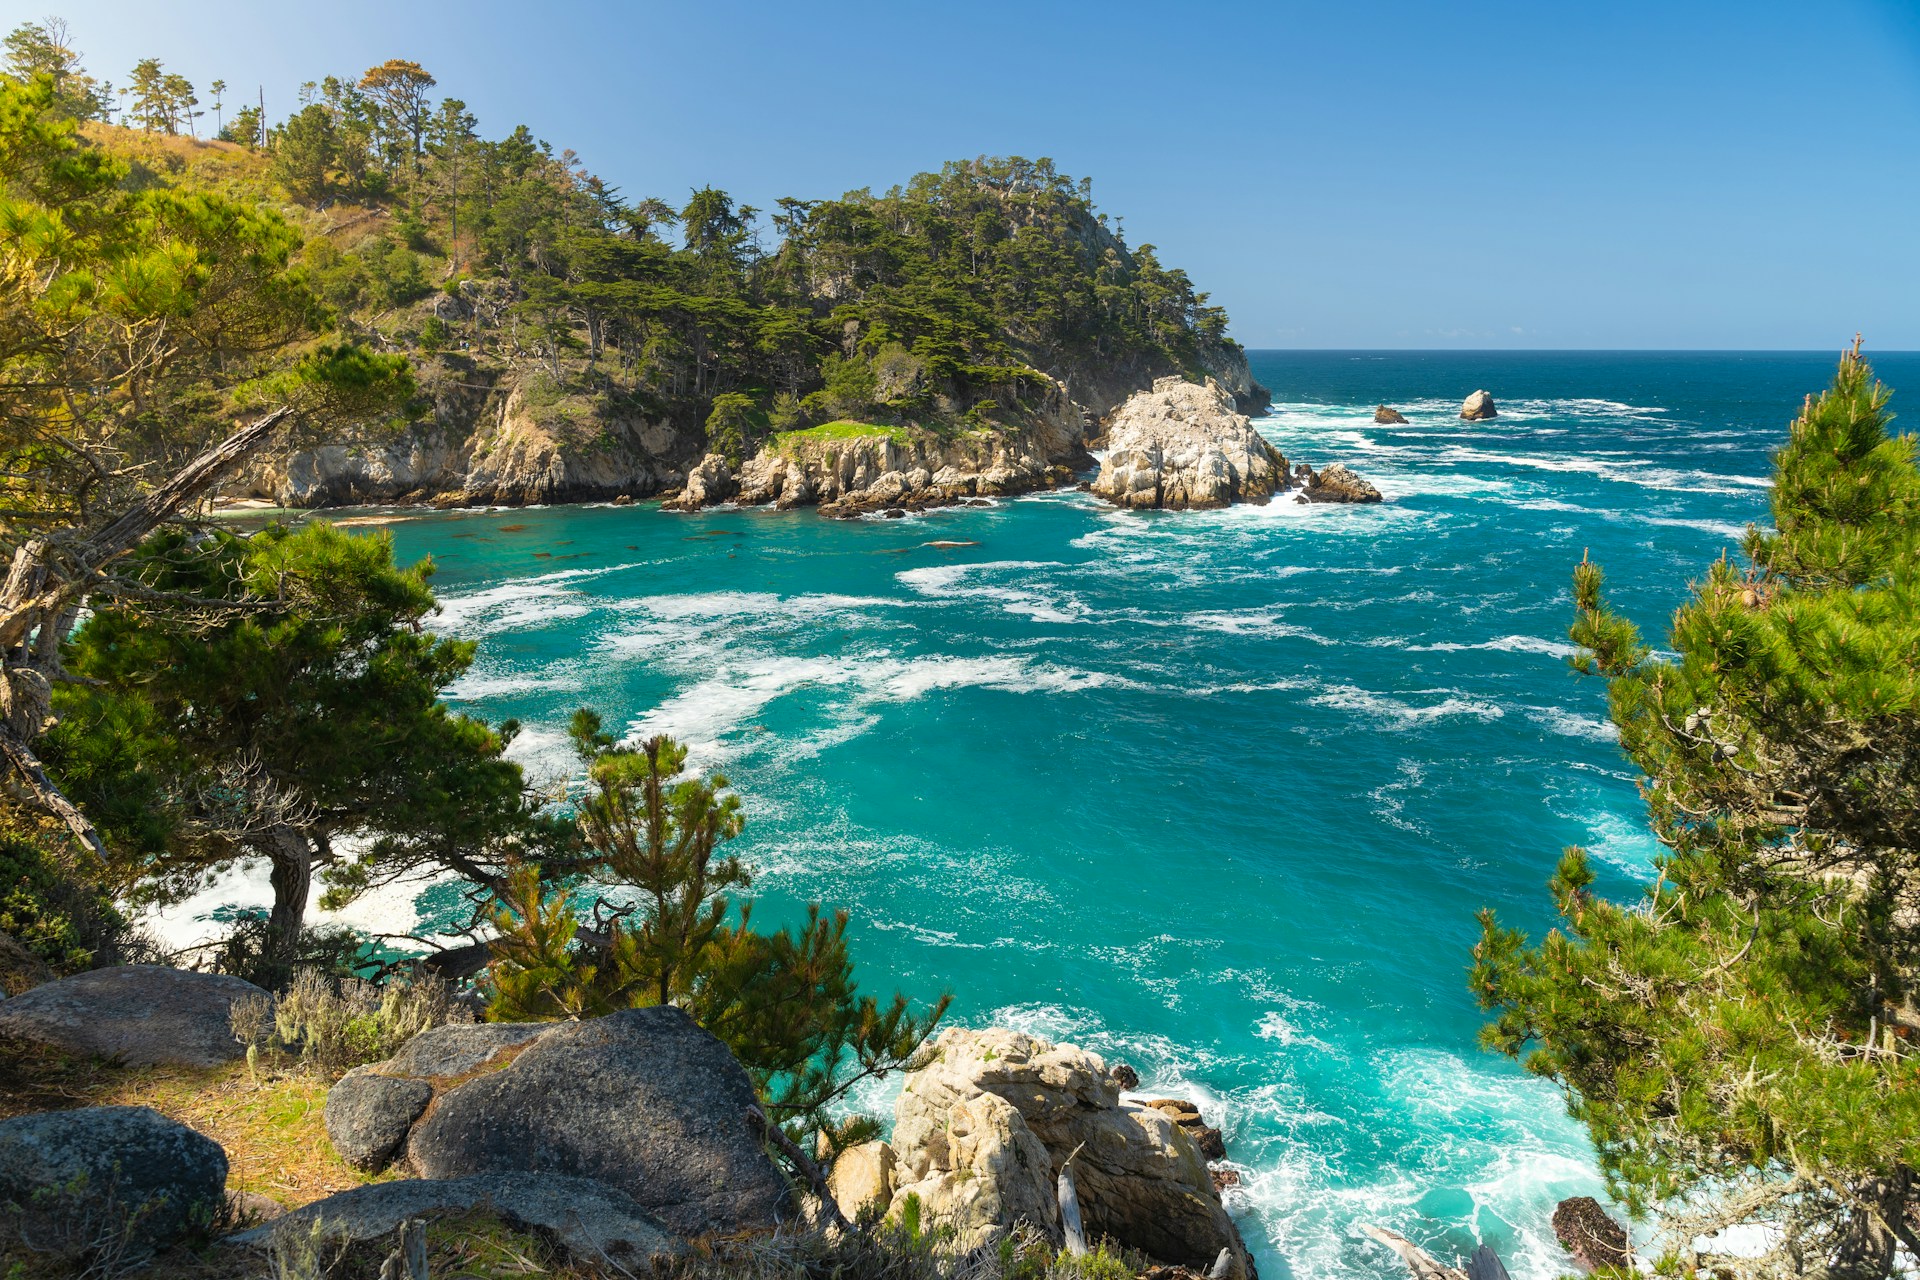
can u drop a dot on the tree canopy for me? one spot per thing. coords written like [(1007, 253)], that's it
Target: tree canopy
[(1741, 1043)]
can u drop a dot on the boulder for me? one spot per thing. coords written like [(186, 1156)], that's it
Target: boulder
[(1593, 1238), (642, 1100), (139, 1014), (1478, 407), (862, 1176), (74, 1177), (368, 1115), (1386, 417), (588, 1219), (982, 1133), (459, 1048), (1182, 446), (1339, 483)]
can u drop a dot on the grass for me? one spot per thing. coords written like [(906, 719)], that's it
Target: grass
[(273, 1128), (842, 430)]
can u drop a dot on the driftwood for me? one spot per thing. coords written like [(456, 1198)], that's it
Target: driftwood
[(1070, 1223), (1222, 1266), (1422, 1264)]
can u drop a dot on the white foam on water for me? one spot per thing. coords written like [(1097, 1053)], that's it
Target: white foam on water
[(521, 604), (1392, 713), (1571, 724), (711, 716), (957, 582), (1503, 644), (1623, 843)]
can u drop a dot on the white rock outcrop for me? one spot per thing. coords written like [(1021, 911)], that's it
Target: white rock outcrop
[(981, 1134), (1479, 406), (1181, 446)]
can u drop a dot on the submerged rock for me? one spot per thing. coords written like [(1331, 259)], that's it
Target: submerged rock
[(99, 1172), (1478, 407), (1389, 417), (142, 1015), (1182, 446), (982, 1134)]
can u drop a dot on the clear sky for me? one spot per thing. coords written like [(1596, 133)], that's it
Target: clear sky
[(1367, 173)]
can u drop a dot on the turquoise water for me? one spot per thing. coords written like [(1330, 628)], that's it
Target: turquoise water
[(1215, 794)]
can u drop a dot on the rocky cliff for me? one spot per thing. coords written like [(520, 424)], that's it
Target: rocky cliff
[(501, 440)]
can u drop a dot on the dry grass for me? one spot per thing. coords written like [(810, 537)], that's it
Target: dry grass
[(272, 1128)]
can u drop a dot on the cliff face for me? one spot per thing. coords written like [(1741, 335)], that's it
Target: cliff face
[(488, 443)]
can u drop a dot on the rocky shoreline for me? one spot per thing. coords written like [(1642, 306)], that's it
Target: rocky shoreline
[(634, 1136)]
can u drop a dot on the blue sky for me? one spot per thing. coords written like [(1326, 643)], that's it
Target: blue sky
[(1374, 173)]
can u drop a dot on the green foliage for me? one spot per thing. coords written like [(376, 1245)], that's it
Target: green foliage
[(1746, 1036), (52, 906), (282, 696), (785, 1002), (736, 424)]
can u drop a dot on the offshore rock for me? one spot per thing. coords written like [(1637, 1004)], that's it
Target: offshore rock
[(1337, 483), (982, 1133), (77, 1175), (592, 1221), (142, 1015), (1389, 417), (1479, 407), (1182, 446)]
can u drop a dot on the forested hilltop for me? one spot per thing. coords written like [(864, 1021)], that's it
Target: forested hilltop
[(570, 341)]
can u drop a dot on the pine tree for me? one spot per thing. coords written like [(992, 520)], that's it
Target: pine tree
[(663, 928), (1742, 1044)]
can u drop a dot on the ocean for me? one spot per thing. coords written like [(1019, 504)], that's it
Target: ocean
[(1215, 794)]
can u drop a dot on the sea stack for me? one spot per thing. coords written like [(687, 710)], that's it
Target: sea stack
[(1478, 407), (1182, 446), (1389, 417)]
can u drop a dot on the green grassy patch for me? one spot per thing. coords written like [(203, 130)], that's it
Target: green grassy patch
[(842, 430)]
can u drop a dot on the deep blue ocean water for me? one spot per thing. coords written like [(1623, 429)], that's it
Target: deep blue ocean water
[(1216, 794)]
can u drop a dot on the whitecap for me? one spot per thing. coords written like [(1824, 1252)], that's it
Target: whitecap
[(1393, 713)]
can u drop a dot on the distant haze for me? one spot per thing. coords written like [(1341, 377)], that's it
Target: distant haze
[(1370, 174)]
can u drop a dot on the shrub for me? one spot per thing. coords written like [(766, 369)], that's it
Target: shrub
[(334, 1028)]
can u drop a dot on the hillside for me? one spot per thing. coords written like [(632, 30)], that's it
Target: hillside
[(573, 345)]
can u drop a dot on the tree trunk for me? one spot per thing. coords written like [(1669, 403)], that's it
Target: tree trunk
[(290, 855)]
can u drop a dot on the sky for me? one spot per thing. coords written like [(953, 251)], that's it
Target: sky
[(1372, 173)]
